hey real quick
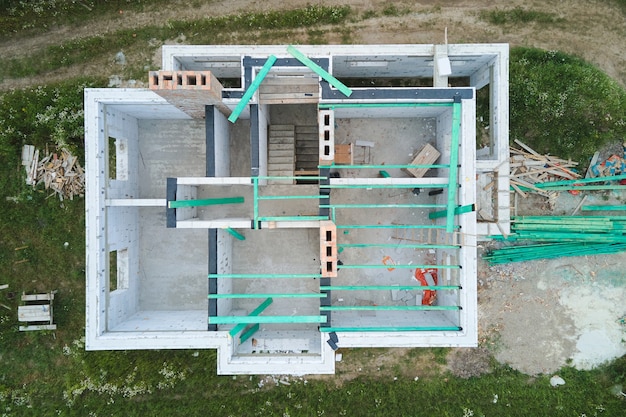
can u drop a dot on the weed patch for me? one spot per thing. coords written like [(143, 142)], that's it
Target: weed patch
[(518, 16), (202, 31), (562, 105)]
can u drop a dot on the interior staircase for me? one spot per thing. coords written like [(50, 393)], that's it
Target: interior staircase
[(307, 150), (281, 151)]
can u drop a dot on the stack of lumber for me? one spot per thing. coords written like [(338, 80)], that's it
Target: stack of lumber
[(62, 174), (529, 169), (30, 160), (545, 237)]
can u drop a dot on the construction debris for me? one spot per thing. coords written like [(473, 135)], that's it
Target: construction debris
[(614, 165), (59, 172), (529, 168)]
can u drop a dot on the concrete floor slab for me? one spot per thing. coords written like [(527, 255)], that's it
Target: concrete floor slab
[(169, 148), (173, 264)]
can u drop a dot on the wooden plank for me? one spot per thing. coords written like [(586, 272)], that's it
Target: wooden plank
[(38, 327), (427, 156), (343, 154), (38, 297), (30, 313), (288, 89)]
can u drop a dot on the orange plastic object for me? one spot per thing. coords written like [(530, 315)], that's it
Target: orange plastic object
[(387, 260), (427, 277)]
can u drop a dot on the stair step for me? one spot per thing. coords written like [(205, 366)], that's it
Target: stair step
[(281, 147), (307, 129), (282, 160), (281, 127), (281, 166), (281, 154), (282, 140), (306, 146), (307, 158), (285, 173)]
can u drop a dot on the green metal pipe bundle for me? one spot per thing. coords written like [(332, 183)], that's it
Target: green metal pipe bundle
[(560, 236), (547, 251)]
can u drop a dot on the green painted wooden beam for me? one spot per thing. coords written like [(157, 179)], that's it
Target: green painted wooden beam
[(249, 333), (458, 210), (266, 319), (549, 184), (240, 325), (375, 105), (392, 226), (362, 186), (392, 329), (252, 89), (389, 308), (396, 246), (291, 218), (384, 174), (305, 295), (377, 266), (454, 169), (387, 287), (255, 276), (603, 208), (361, 206), (290, 197), (319, 71), (383, 166), (205, 202), (235, 233)]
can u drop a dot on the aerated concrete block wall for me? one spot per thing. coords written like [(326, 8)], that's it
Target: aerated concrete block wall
[(264, 121), (224, 266), (122, 233), (221, 128)]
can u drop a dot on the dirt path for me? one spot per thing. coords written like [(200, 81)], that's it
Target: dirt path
[(538, 316), (597, 32)]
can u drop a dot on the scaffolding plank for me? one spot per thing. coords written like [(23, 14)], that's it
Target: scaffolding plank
[(252, 89), (319, 71)]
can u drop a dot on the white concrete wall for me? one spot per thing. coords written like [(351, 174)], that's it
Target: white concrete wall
[(122, 234), (264, 120), (123, 128), (222, 144), (224, 266)]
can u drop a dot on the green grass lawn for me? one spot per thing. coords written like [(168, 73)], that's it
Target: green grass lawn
[(50, 373)]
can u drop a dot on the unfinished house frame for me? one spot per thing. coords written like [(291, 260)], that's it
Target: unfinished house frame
[(279, 203)]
